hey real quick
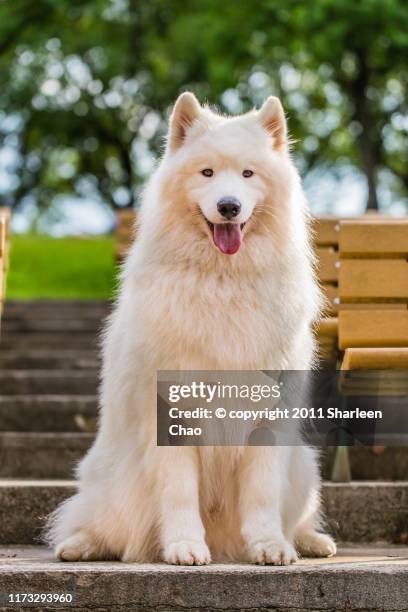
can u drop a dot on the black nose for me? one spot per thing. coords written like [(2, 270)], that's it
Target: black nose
[(229, 207)]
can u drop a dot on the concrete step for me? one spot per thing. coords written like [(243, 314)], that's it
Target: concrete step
[(62, 413), (356, 512), (55, 359), (53, 382), (41, 455), (369, 579), (55, 308), (54, 455), (51, 340), (44, 325)]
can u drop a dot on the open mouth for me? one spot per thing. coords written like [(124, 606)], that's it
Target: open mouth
[(227, 237)]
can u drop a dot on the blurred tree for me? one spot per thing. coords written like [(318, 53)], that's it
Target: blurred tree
[(362, 49), (85, 85)]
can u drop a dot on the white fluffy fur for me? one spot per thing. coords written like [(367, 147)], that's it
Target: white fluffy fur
[(185, 305)]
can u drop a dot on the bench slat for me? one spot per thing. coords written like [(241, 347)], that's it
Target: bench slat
[(373, 328), (375, 359), (373, 279), (373, 305), (331, 293), (327, 264), (381, 238), (326, 231)]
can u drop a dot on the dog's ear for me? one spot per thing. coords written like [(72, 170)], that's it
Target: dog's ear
[(186, 110), (273, 119)]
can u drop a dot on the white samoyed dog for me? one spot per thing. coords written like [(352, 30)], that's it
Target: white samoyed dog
[(221, 277)]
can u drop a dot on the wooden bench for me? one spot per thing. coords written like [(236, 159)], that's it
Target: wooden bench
[(373, 309), (332, 239), (373, 291), (4, 250)]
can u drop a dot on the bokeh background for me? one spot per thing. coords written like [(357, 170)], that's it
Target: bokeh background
[(86, 88)]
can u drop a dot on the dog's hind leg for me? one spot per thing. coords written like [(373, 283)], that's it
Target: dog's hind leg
[(82, 546), (310, 543), (306, 522), (71, 531)]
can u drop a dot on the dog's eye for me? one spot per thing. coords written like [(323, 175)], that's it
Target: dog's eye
[(247, 173), (207, 172)]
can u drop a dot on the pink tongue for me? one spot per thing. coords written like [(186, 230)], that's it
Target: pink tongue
[(227, 237)]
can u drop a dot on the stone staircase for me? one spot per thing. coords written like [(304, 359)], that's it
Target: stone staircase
[(48, 381)]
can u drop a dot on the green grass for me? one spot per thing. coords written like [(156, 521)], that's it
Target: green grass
[(76, 268)]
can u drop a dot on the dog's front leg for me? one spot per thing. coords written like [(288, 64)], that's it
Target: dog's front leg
[(182, 530), (260, 490)]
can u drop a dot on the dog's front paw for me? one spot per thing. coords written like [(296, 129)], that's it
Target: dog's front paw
[(272, 552), (187, 552)]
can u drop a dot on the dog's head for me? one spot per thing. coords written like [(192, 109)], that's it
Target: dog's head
[(230, 173)]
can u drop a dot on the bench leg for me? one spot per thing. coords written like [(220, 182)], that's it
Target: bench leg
[(341, 471)]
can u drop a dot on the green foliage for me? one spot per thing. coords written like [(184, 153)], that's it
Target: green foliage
[(43, 267), (90, 84)]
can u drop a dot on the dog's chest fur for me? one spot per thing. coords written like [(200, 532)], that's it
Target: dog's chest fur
[(221, 321)]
